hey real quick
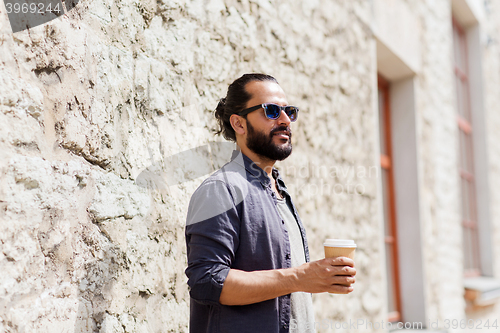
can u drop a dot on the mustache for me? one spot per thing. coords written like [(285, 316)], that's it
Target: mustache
[(285, 129)]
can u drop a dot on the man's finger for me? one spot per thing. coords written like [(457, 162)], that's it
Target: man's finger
[(343, 280), (342, 270), (340, 261), (339, 289)]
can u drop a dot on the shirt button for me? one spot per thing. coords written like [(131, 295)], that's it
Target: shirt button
[(287, 256), (282, 221)]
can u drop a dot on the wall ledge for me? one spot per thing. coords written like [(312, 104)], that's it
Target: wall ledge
[(481, 291)]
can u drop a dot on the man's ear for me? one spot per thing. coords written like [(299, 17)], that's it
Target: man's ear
[(238, 123)]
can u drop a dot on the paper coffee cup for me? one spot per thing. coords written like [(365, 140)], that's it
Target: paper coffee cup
[(339, 248)]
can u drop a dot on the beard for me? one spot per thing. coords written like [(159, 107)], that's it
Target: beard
[(262, 144)]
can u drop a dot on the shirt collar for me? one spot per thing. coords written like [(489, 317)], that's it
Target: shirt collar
[(280, 184), (252, 168)]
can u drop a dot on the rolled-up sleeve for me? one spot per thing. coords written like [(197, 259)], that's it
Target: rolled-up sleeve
[(212, 238)]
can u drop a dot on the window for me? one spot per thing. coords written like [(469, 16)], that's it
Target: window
[(466, 156), (393, 290)]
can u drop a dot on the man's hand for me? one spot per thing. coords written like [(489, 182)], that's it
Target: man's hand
[(334, 275)]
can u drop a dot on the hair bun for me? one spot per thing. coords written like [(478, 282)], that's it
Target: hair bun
[(221, 106), (235, 101)]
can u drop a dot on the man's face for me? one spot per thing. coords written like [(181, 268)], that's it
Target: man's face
[(269, 138)]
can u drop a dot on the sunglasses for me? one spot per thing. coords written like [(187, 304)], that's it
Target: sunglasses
[(273, 111)]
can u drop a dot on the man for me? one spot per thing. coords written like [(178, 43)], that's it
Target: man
[(248, 260)]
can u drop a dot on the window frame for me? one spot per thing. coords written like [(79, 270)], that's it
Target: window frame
[(469, 219), (390, 238)]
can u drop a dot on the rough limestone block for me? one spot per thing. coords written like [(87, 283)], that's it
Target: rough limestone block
[(116, 197)]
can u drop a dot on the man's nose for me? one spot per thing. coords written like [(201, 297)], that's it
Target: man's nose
[(284, 119)]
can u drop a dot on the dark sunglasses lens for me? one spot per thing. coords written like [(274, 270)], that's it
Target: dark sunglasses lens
[(291, 112), (273, 111)]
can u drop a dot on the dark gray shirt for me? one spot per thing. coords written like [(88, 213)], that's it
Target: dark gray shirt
[(233, 222)]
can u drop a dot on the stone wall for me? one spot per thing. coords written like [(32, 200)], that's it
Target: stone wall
[(437, 134), (438, 155), (102, 98), (108, 128)]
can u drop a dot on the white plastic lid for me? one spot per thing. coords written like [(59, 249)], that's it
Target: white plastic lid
[(339, 243)]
